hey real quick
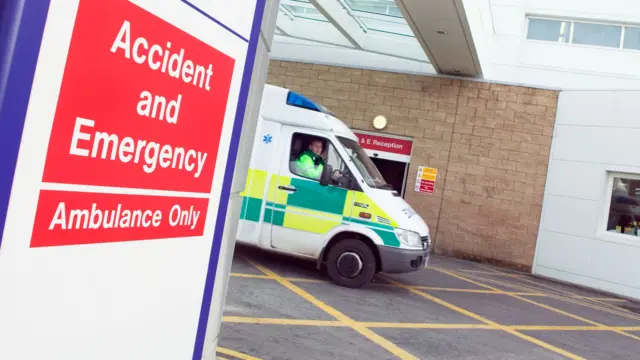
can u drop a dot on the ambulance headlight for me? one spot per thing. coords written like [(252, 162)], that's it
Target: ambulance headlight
[(409, 238)]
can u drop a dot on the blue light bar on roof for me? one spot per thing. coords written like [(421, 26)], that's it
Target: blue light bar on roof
[(298, 100)]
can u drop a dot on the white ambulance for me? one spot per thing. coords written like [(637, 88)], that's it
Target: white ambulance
[(313, 192)]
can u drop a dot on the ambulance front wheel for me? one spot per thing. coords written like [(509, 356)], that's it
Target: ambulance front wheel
[(351, 263)]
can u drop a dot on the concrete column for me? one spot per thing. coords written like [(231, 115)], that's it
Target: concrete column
[(258, 80)]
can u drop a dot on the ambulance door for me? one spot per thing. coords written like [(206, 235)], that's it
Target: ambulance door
[(259, 193), (305, 211)]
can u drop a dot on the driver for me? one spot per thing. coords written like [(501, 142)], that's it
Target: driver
[(310, 162)]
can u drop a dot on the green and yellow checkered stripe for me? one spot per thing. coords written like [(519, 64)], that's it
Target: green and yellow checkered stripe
[(308, 213)]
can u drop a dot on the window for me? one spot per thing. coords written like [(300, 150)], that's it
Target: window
[(597, 34), (363, 163), (584, 33), (309, 155), (624, 210), (549, 30), (632, 38)]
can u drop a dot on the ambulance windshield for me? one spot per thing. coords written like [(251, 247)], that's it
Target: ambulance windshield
[(363, 163)]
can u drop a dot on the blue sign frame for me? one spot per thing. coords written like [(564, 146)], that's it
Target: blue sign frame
[(21, 30)]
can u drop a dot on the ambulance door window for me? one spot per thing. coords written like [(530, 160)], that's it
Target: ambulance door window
[(309, 154)]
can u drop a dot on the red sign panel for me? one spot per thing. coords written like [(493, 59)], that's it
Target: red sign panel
[(426, 179), (426, 186), (383, 143), (73, 218), (141, 106)]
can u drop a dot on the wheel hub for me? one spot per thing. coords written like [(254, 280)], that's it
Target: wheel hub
[(349, 264)]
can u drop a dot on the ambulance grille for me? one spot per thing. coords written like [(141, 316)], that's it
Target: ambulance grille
[(382, 220)]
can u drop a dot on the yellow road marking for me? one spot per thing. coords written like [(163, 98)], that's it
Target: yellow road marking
[(566, 292), (409, 325), (272, 321), (256, 276), (492, 273), (488, 322), (477, 291), (605, 299), (233, 353), (294, 279), (565, 298), (428, 326), (604, 303), (364, 331), (595, 298), (250, 276), (491, 269), (559, 297), (544, 306), (221, 358), (572, 328)]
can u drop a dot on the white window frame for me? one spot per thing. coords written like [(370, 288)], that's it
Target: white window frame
[(605, 205), (592, 22), (571, 22), (637, 26), (529, 17)]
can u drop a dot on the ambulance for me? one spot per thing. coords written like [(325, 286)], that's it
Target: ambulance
[(347, 219)]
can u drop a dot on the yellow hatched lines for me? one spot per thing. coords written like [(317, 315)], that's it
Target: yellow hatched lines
[(602, 303), (568, 297), (364, 328), (544, 306), (364, 331), (306, 280), (408, 325), (492, 273), (489, 322), (235, 354), (274, 321)]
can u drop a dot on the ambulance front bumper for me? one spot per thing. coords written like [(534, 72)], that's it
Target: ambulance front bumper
[(396, 261)]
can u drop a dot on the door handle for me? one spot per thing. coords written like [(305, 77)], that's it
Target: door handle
[(287, 188)]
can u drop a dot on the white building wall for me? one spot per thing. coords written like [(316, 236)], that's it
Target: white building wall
[(514, 59), (596, 136)]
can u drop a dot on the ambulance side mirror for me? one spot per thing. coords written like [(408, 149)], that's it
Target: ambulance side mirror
[(325, 177)]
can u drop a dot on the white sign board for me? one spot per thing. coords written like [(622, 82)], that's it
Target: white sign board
[(122, 173)]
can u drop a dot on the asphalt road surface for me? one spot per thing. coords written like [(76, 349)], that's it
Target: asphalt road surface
[(278, 307)]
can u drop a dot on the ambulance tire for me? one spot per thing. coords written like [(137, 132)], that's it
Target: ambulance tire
[(351, 263)]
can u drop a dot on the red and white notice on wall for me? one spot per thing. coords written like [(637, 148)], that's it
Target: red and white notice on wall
[(426, 179), (141, 107)]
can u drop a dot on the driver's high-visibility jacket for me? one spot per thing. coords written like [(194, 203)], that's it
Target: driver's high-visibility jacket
[(309, 165)]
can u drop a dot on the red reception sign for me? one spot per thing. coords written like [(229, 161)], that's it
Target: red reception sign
[(141, 106), (383, 143)]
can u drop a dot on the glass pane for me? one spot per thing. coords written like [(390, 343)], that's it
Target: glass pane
[(549, 30), (363, 163), (632, 38), (381, 7), (391, 27), (624, 213), (305, 11), (597, 34), (308, 155)]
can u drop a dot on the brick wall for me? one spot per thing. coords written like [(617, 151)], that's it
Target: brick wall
[(490, 143)]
